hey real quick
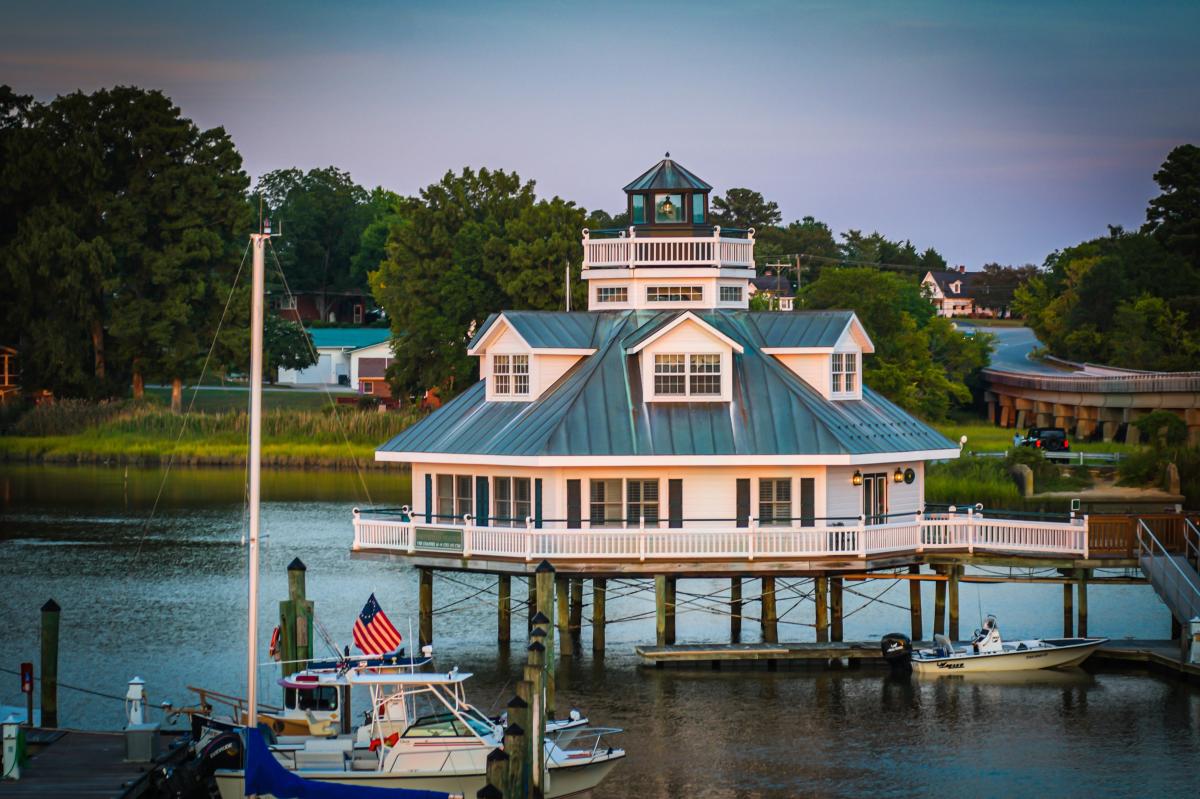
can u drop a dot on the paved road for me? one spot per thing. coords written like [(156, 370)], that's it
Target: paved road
[(1013, 345)]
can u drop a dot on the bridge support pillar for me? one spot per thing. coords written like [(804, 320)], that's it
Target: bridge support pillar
[(1191, 418)]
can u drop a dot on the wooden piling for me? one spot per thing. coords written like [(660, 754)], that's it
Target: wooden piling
[(939, 604), (497, 775), (533, 599), (914, 603), (670, 610), (504, 610), (562, 594), (50, 618), (545, 610), (599, 589), (952, 591), (1068, 610), (514, 744), (296, 623), (770, 622), (735, 610), (425, 607), (535, 674), (821, 596), (576, 616), (660, 610), (1081, 627), (835, 608)]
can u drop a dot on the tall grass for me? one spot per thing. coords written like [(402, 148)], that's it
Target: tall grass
[(968, 480)]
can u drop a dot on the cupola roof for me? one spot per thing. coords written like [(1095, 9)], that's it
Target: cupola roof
[(667, 174)]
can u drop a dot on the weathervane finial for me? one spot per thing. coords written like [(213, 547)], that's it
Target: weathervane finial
[(668, 155)]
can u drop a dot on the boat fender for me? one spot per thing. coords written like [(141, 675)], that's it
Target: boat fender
[(897, 651)]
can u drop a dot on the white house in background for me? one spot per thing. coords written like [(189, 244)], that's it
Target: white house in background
[(339, 350), (951, 291)]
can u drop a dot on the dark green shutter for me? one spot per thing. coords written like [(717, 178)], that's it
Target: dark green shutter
[(807, 503), (537, 502), (743, 502), (574, 504), (482, 501), (428, 498), (675, 503)]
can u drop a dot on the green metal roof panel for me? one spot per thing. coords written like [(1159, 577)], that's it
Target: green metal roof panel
[(667, 174), (596, 408), (546, 329), (801, 328), (351, 338)]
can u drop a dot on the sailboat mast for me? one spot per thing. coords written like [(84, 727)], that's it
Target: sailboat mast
[(258, 240)]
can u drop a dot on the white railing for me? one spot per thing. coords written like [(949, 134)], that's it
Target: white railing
[(969, 533), (632, 252)]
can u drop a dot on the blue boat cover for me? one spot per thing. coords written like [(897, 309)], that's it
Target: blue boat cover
[(266, 775)]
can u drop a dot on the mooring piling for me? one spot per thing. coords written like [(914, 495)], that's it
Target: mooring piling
[(770, 621), (914, 603), (50, 618), (504, 610), (821, 602), (1082, 609), (562, 598), (575, 618), (952, 598), (599, 590), (835, 608), (425, 610), (939, 603), (735, 610)]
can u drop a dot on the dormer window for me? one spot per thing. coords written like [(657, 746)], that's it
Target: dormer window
[(510, 375), (845, 373), (680, 375)]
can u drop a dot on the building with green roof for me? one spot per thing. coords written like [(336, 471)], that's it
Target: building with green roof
[(667, 404)]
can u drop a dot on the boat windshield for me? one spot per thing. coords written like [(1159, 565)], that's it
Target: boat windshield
[(445, 725), (318, 698)]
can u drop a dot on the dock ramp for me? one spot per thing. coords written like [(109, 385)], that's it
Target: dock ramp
[(1173, 574)]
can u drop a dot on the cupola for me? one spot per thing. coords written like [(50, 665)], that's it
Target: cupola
[(667, 197)]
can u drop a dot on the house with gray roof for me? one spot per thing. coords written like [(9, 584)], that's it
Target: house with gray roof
[(667, 403)]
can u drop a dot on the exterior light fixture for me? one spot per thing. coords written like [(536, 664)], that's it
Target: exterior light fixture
[(857, 478), (898, 475), (668, 208)]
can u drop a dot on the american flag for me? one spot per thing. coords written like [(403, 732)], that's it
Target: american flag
[(373, 633)]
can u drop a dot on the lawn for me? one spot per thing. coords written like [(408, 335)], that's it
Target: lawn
[(983, 437), (219, 400)]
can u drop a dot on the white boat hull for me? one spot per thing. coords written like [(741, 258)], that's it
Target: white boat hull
[(564, 780), (1055, 653)]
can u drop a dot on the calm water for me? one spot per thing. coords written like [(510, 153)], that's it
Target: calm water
[(166, 600)]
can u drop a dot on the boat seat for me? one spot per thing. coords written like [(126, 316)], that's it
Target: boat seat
[(322, 728), (321, 761)]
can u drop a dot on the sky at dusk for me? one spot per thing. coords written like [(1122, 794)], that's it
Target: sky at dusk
[(992, 131)]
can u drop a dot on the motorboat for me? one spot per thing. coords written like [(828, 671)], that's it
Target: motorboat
[(987, 652), (423, 734)]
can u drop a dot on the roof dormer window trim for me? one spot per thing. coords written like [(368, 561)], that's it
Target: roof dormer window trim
[(843, 375), (510, 375)]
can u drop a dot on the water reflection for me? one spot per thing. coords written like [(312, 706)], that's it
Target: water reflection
[(167, 601)]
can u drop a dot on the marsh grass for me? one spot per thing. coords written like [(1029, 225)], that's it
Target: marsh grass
[(969, 480)]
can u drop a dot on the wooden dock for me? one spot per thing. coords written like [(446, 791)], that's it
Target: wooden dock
[(1162, 656), (85, 764)]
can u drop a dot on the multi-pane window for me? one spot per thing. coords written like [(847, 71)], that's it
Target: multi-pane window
[(605, 502), (678, 375), (845, 371), (510, 375), (453, 496), (775, 500), (704, 375), (511, 500), (670, 375), (674, 293), (731, 293), (612, 294), (641, 501)]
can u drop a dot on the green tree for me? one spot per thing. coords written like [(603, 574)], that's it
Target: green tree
[(132, 214), (920, 362), (602, 220), (443, 272), (323, 214), (1174, 216), (743, 208), (286, 345), (542, 241)]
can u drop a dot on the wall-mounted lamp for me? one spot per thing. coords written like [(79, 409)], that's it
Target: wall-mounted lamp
[(857, 478), (898, 475)]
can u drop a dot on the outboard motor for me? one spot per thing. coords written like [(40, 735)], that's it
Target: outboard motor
[(193, 779), (897, 652)]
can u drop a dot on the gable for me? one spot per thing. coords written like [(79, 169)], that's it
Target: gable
[(686, 329)]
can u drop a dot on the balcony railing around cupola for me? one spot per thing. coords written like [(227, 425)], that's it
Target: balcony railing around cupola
[(627, 250)]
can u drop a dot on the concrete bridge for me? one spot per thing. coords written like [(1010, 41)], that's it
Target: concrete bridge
[(1085, 399)]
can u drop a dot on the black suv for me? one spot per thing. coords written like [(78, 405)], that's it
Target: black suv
[(1051, 439)]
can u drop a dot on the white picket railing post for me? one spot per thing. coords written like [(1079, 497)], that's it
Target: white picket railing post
[(971, 530), (862, 536), (753, 538), (528, 538)]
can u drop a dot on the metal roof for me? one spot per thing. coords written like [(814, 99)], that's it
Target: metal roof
[(667, 174), (596, 408), (802, 328), (544, 329), (350, 338)]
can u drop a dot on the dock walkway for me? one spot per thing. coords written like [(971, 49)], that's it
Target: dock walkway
[(82, 764)]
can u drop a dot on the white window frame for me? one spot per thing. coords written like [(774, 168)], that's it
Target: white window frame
[(674, 294), (511, 375), (781, 508), (459, 502), (511, 511), (739, 290), (606, 503), (368, 386), (612, 295), (690, 361), (620, 497), (844, 373)]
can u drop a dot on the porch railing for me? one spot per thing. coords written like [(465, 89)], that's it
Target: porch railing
[(409, 534), (631, 252)]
